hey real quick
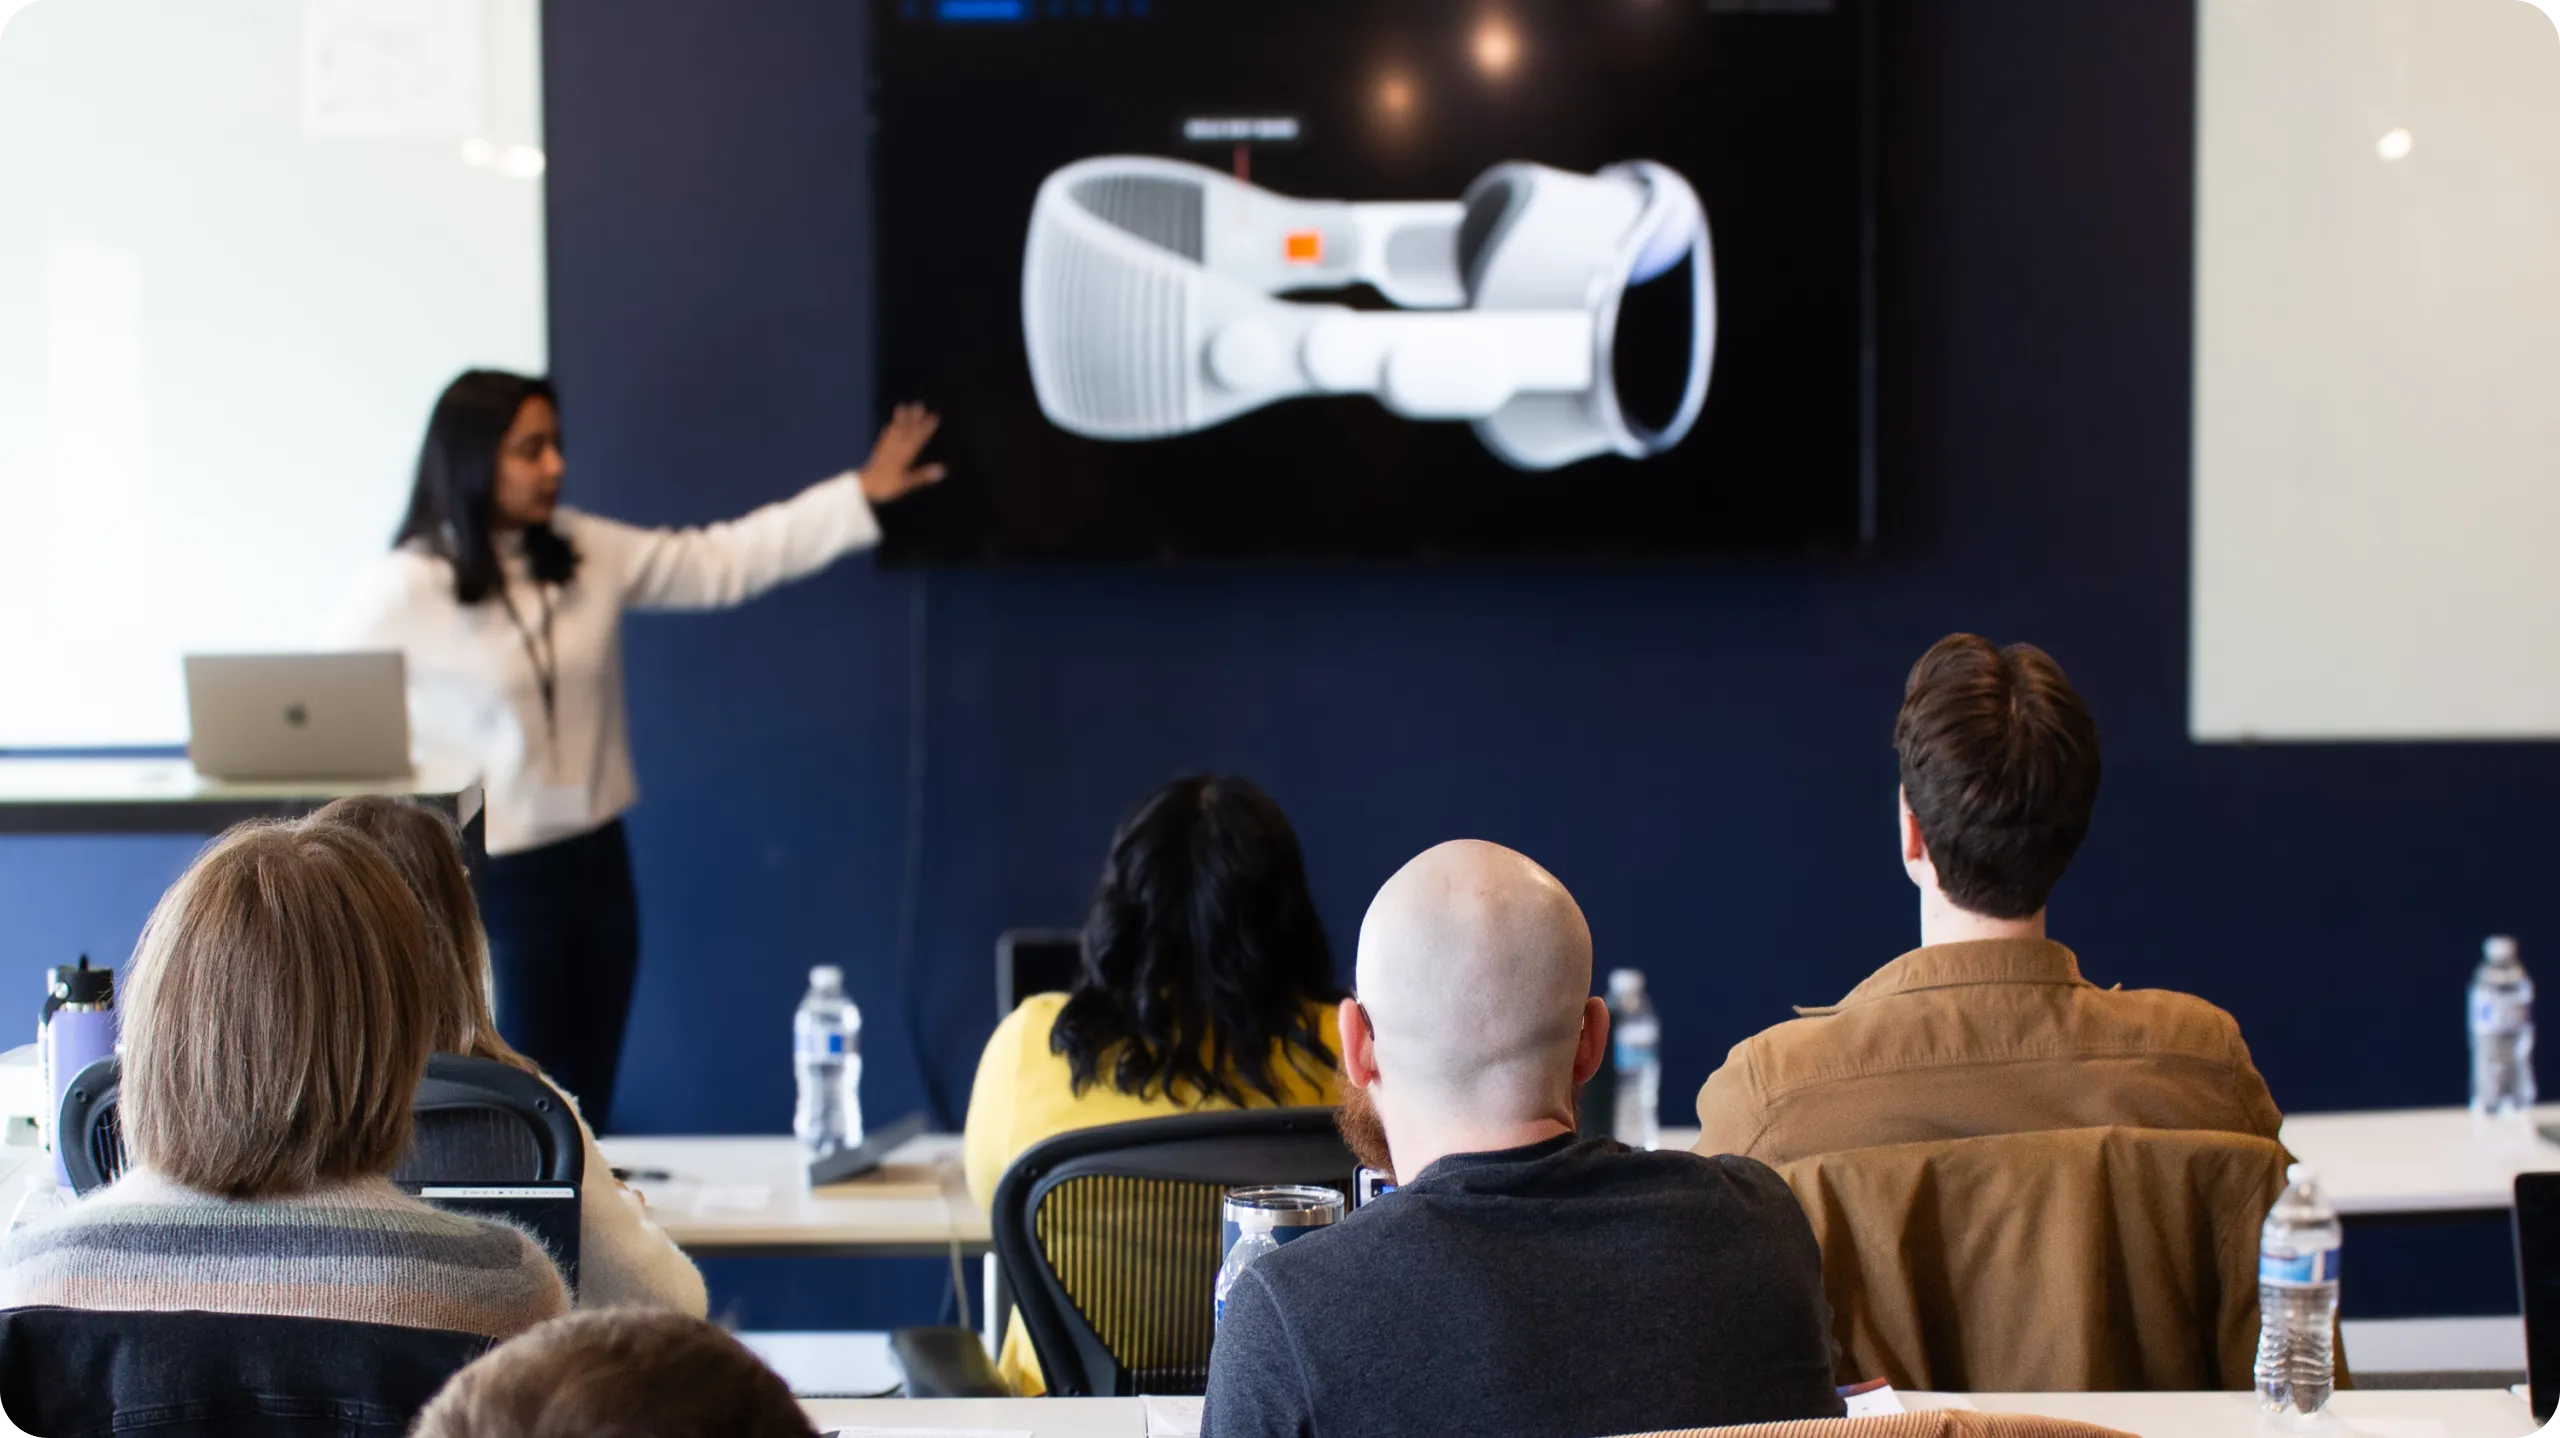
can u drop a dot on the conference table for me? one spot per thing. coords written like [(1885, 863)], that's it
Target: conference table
[(2442, 1413), (740, 1195), (2411, 1163), (125, 794), (746, 1196)]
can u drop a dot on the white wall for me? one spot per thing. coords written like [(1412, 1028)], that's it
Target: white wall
[(2377, 383), (242, 246)]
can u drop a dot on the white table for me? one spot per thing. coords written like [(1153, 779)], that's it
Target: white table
[(2410, 1162), (742, 1196), (2406, 1163), (1040, 1417), (2407, 1414), (167, 796)]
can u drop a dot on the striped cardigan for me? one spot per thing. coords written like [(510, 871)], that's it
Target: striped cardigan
[(361, 1251)]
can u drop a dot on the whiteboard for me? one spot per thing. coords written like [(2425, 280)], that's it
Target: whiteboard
[(243, 245), (2377, 371)]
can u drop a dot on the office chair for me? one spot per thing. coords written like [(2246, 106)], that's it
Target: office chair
[(2071, 1260), (77, 1373), (478, 1122), (1110, 1238)]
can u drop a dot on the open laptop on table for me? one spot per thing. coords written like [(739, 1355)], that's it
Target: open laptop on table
[(298, 716), (1035, 961), (2537, 1217)]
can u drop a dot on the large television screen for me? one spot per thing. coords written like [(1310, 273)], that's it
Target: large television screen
[(1378, 278)]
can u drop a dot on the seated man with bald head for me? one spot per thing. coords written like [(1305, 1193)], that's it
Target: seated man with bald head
[(1521, 1280)]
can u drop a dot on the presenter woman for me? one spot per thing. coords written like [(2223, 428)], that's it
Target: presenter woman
[(508, 606)]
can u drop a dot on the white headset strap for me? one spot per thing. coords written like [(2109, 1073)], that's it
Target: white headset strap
[(1422, 365)]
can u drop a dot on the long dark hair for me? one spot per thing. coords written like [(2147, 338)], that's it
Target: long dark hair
[(450, 508), (1202, 953)]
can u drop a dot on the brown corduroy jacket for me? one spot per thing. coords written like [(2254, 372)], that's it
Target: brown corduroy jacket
[(2092, 1260), (1990, 1037)]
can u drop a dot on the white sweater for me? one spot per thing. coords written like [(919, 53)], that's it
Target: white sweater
[(624, 1259), (473, 690)]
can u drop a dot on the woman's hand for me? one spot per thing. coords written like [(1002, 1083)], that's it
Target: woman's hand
[(892, 472)]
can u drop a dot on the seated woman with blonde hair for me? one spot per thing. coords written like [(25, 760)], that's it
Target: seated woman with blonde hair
[(623, 1258), (275, 1031)]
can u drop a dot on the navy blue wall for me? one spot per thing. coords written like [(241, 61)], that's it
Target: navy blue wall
[(1700, 752)]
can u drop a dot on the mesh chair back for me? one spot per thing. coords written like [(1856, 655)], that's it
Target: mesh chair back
[(483, 1122), (1110, 1238), (477, 1122)]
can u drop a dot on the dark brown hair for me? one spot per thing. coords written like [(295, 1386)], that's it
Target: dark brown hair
[(427, 850), (616, 1373), (2000, 767), (1206, 972), (274, 1032)]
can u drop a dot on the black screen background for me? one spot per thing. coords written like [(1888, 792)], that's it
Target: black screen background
[(1764, 107)]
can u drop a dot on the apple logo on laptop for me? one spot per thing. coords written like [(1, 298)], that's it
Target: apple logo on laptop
[(295, 716)]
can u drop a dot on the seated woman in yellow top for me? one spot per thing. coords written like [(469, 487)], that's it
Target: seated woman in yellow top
[(1207, 984)]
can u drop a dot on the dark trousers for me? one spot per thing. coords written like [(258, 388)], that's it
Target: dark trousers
[(564, 942)]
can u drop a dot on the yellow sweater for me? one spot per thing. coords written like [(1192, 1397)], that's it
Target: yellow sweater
[(1024, 1094)]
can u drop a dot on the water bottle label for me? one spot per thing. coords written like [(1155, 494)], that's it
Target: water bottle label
[(819, 1045), (2498, 1014), (1632, 1055), (2299, 1269)]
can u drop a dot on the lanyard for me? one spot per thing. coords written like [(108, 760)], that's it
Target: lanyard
[(545, 658)]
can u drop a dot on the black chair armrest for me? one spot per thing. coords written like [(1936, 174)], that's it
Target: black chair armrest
[(946, 1362)]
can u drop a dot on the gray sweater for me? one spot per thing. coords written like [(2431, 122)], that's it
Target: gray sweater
[(362, 1252), (1570, 1288)]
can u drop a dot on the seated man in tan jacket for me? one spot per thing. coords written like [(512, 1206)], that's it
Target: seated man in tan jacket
[(1987, 1027)]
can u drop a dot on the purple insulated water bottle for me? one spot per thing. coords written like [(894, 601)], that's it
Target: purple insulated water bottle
[(77, 1028)]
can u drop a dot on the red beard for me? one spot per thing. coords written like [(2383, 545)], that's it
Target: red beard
[(1363, 1130), (1366, 1133)]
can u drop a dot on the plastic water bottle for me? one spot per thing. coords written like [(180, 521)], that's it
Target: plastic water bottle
[(1636, 1053), (1239, 1258), (826, 1052), (2297, 1296), (2501, 1032)]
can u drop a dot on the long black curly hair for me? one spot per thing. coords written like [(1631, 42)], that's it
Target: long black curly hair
[(1203, 955)]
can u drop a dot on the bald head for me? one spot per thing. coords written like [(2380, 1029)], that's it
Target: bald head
[(1475, 967)]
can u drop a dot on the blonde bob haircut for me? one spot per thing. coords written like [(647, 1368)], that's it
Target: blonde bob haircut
[(276, 1015), (423, 844)]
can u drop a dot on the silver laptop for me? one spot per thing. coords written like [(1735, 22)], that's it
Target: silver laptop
[(298, 716)]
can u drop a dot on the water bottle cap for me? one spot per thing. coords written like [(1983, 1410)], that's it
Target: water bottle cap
[(1626, 981), (2499, 949), (826, 976), (81, 985), (2300, 1175)]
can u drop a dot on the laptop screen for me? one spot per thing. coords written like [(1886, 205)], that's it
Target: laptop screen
[(2538, 1277), (1036, 961), (546, 1211)]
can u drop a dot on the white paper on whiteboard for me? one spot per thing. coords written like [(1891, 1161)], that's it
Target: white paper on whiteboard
[(394, 69)]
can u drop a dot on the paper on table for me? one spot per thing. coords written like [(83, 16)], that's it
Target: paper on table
[(2395, 1428), (1872, 1401), (409, 69), (1170, 1416), (732, 1197)]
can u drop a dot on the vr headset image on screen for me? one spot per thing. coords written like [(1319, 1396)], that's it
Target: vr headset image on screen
[(1149, 309)]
